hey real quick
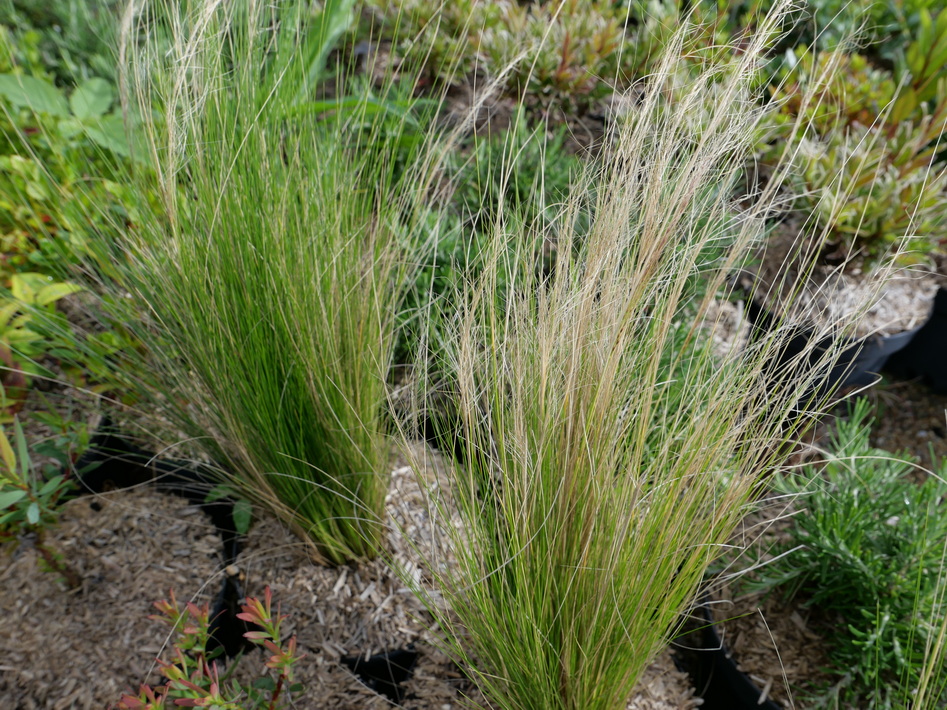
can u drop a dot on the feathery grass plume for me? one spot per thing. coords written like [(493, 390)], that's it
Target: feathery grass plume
[(608, 453), (271, 249)]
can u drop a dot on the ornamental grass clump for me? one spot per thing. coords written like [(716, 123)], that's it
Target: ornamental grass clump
[(269, 252), (608, 452)]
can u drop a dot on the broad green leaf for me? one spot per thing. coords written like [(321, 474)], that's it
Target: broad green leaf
[(53, 292), (21, 334), (8, 498), (21, 289), (109, 133), (32, 93), (32, 514), (904, 106), (7, 311), (70, 127), (242, 516), (334, 20), (6, 452), (218, 492), (25, 286), (92, 99)]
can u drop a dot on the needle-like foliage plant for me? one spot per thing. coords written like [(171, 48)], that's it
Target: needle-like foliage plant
[(868, 546)]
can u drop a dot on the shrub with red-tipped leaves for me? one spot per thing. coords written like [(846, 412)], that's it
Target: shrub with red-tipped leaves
[(192, 676)]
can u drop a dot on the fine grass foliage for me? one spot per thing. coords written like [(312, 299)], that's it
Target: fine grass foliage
[(607, 452), (269, 254)]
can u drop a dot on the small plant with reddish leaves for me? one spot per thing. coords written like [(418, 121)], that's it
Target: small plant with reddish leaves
[(193, 678)]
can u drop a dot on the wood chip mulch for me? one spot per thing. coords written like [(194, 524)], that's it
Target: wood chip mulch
[(778, 644), (81, 649)]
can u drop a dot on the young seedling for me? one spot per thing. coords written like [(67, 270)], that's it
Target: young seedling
[(193, 677)]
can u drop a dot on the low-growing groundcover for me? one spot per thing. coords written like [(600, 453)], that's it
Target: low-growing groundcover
[(868, 546)]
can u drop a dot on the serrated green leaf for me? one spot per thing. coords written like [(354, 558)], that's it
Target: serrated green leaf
[(242, 516), (32, 513), (32, 93), (8, 498), (92, 99)]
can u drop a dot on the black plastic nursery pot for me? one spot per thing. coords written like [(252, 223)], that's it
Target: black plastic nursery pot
[(924, 354), (701, 654), (384, 672), (915, 353), (113, 462)]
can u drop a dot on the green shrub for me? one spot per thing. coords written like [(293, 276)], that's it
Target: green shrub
[(883, 28), (192, 677), (869, 546), (74, 40), (60, 153), (29, 503), (549, 53), (525, 170)]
